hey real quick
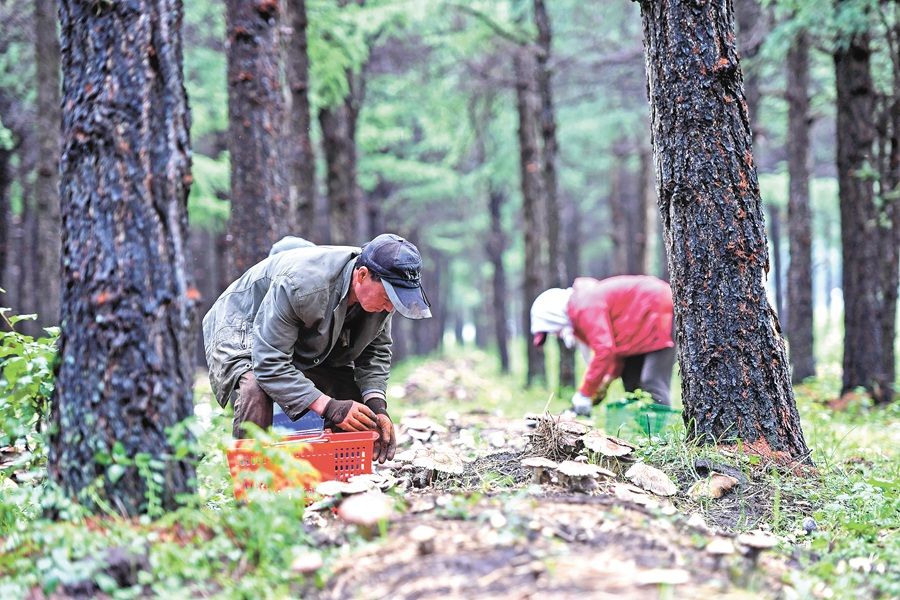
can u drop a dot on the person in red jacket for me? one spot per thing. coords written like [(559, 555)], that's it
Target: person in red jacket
[(625, 322)]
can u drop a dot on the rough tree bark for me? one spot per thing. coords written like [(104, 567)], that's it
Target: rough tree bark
[(260, 208), (889, 176), (496, 246), (637, 230), (799, 327), (618, 212), (571, 223), (751, 29), (734, 368), (530, 173), (861, 259), (549, 151), (655, 262), (628, 216), (5, 211), (26, 241), (338, 124), (46, 192), (777, 277), (302, 157), (123, 377)]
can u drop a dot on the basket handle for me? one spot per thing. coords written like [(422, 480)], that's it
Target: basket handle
[(321, 437)]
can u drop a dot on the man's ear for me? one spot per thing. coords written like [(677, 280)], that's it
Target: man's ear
[(362, 273)]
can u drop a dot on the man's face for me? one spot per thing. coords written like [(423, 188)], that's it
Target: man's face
[(370, 293)]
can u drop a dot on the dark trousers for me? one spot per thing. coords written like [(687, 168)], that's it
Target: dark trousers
[(651, 372), (253, 405)]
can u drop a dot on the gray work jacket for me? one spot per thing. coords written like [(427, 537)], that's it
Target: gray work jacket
[(286, 315)]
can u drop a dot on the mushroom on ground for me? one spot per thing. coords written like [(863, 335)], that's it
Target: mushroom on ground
[(366, 511), (580, 477), (542, 469), (307, 563), (651, 479), (424, 536), (716, 486), (754, 542), (720, 546), (599, 442), (438, 459)]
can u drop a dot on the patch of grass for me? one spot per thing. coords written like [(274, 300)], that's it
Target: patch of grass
[(853, 497), (210, 546)]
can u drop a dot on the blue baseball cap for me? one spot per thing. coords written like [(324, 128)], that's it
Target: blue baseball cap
[(398, 263)]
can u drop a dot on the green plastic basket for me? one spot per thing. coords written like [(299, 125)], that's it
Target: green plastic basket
[(632, 413), (620, 415), (654, 418)]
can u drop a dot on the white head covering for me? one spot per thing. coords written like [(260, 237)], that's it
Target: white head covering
[(548, 314)]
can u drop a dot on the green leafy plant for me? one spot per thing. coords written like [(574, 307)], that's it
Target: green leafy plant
[(26, 364)]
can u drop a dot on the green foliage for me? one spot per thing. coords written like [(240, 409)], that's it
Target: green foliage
[(206, 207), (27, 383), (204, 73), (212, 545), (6, 137)]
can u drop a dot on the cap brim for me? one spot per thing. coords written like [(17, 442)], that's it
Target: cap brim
[(409, 302), (539, 338)]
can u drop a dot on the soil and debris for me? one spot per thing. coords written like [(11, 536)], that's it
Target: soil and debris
[(491, 507)]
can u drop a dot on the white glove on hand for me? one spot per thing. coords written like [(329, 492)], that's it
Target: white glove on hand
[(582, 405)]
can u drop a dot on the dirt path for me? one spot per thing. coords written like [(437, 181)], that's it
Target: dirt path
[(561, 546)]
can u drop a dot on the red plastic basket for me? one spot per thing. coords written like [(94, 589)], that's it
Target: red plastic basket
[(334, 455)]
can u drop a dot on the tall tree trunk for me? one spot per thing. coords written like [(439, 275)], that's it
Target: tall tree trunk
[(550, 150), (206, 267), (889, 171), (481, 318), (428, 336), (261, 212), (799, 327), (829, 267), (571, 224), (751, 28), (655, 262), (302, 157), (530, 173), (862, 262), (26, 250), (123, 377), (338, 126), (46, 192), (372, 219), (5, 214), (496, 246), (618, 209), (13, 272), (549, 145), (777, 278), (637, 229), (735, 374)]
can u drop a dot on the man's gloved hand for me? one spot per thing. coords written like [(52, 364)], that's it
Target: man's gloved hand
[(582, 405), (386, 444), (349, 415)]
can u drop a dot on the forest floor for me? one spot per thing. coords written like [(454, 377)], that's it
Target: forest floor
[(465, 518), (472, 521), (490, 531)]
